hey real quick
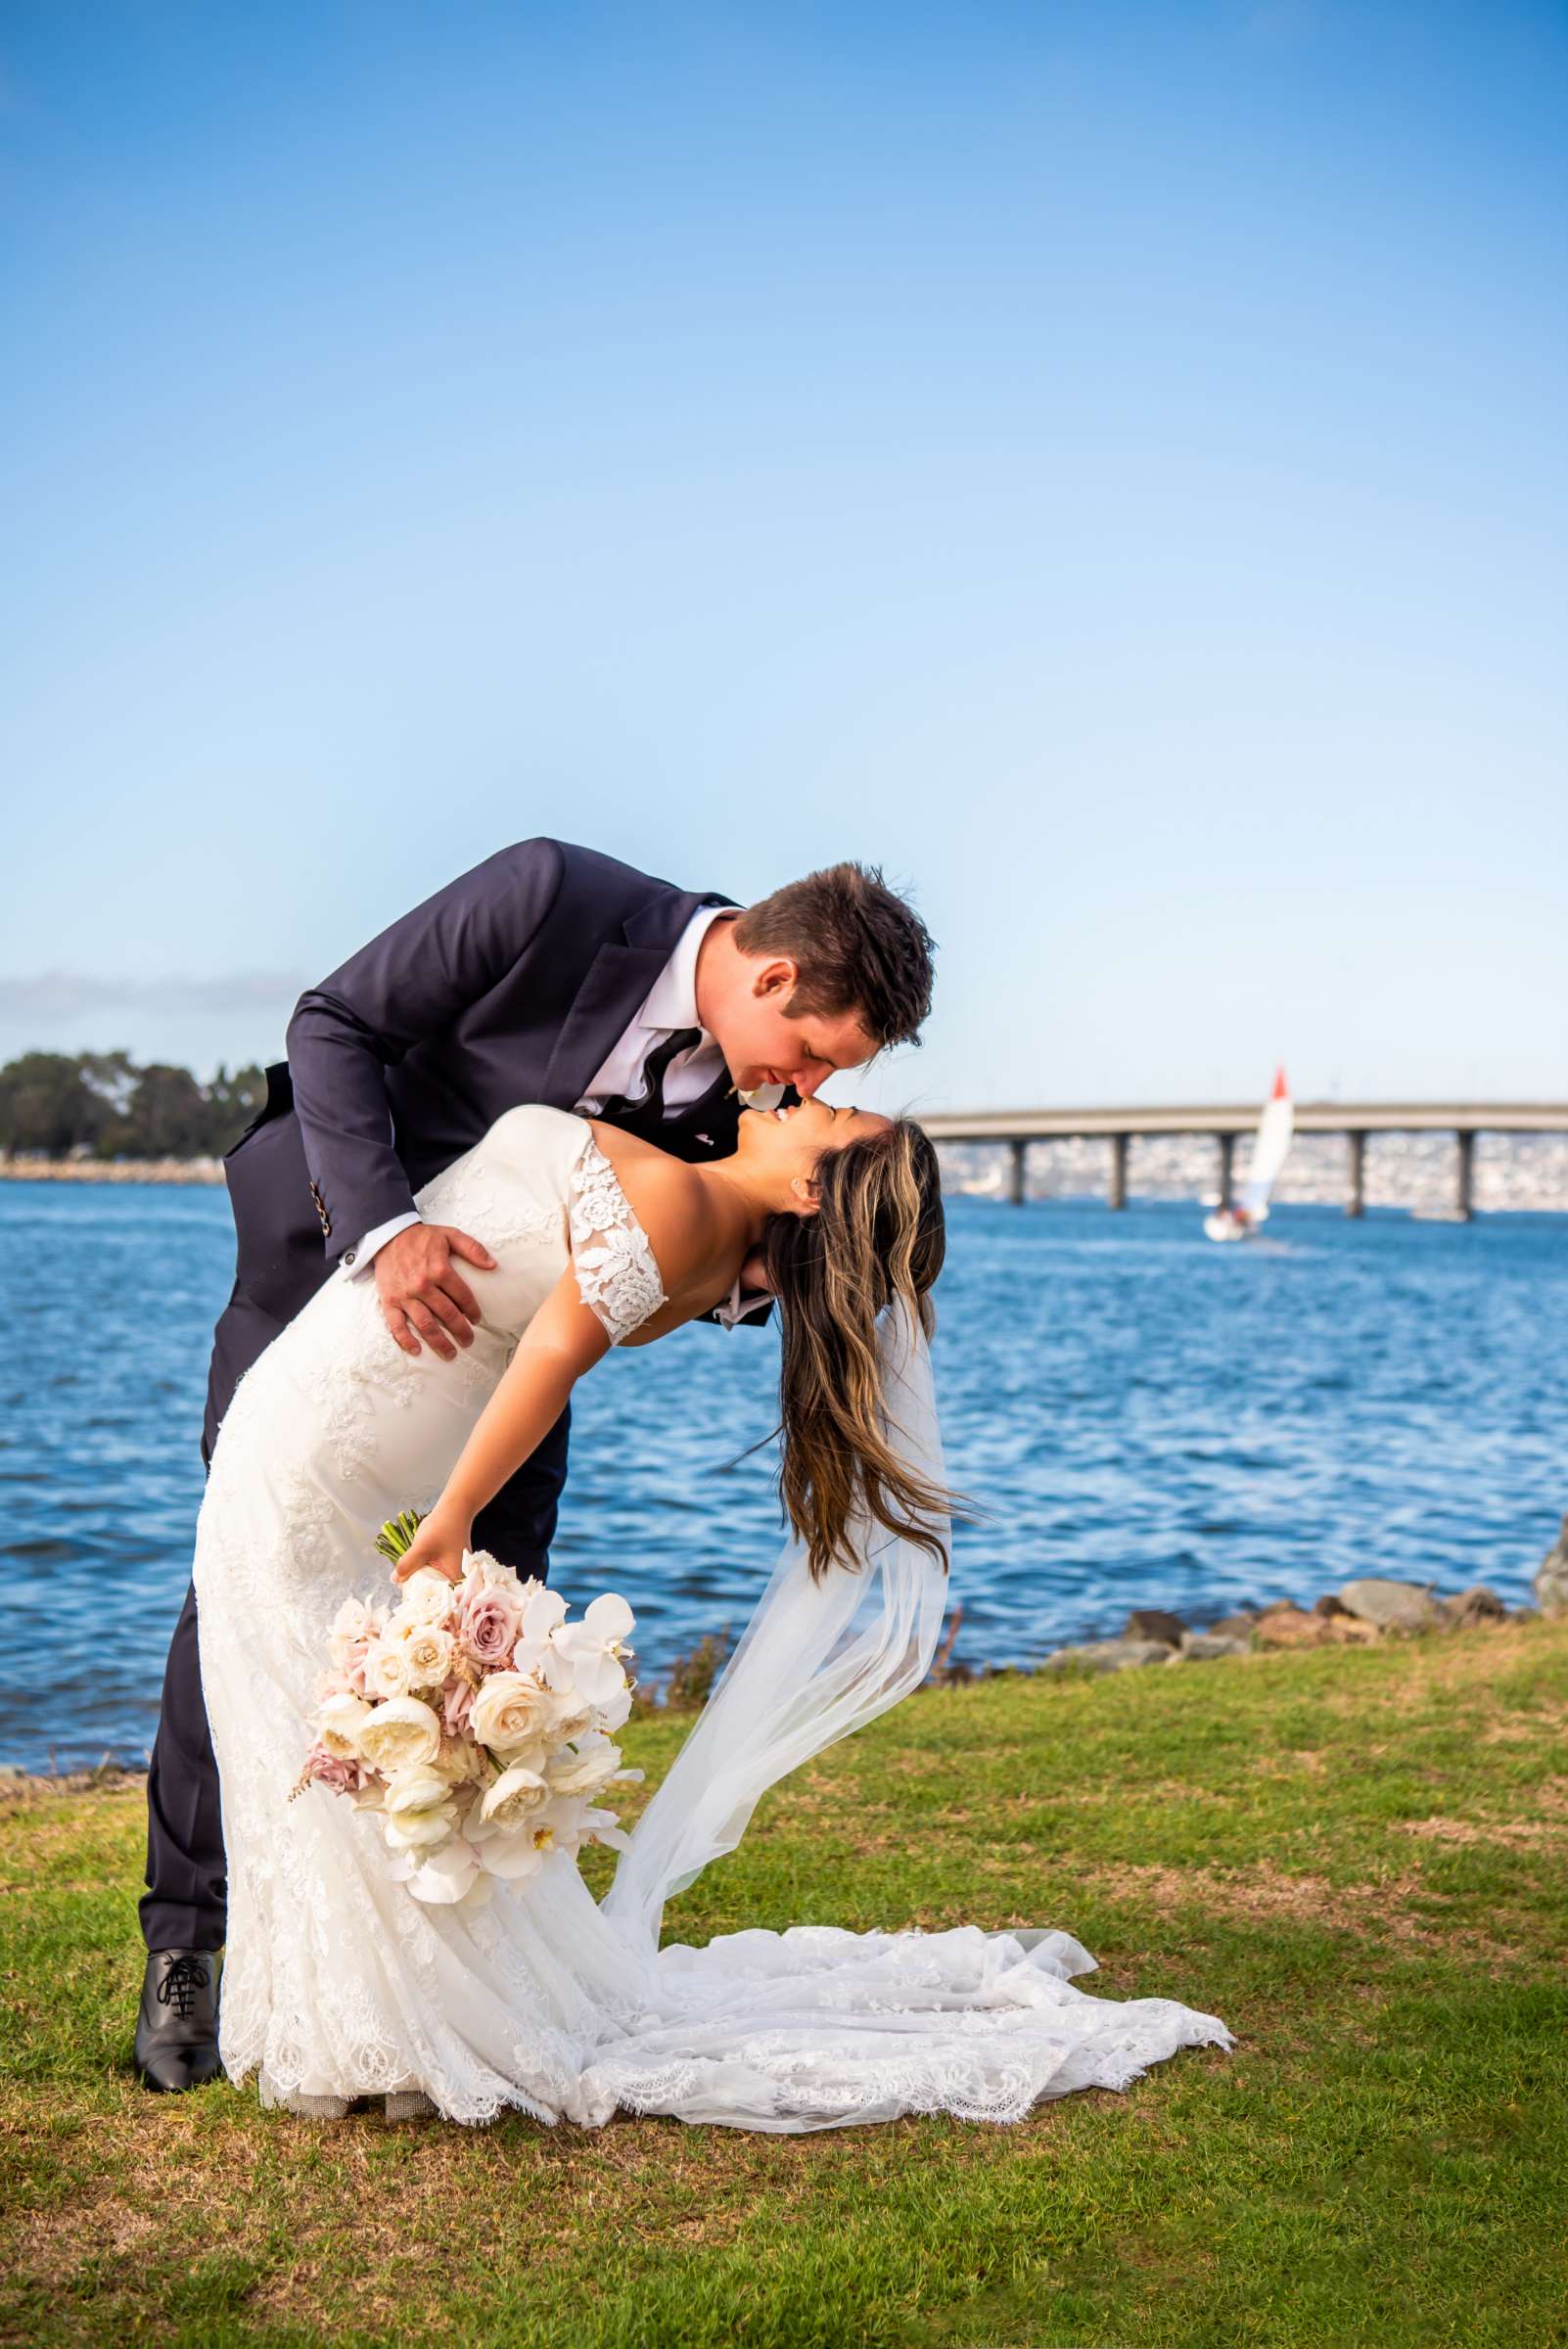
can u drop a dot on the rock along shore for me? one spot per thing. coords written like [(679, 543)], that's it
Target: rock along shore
[(18, 1167), (1360, 1612)]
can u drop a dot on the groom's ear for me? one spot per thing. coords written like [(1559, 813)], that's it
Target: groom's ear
[(780, 975)]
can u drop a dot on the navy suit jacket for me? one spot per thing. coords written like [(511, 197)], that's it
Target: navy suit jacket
[(510, 984)]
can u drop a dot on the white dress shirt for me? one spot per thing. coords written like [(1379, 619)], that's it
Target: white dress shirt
[(671, 1002)]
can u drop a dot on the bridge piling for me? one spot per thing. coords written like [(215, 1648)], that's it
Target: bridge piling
[(1016, 1190), (1119, 1154), (1466, 1199), (1228, 1159), (1355, 1204)]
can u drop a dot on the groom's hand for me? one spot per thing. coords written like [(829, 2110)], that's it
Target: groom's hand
[(754, 1275), (423, 1294)]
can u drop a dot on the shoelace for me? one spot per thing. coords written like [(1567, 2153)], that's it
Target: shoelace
[(179, 1988)]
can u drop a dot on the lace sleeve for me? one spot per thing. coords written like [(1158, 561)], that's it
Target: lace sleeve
[(617, 1271)]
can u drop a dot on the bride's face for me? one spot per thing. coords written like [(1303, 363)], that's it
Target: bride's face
[(785, 1145)]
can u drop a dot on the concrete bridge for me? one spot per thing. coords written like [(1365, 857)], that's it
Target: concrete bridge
[(1016, 1129)]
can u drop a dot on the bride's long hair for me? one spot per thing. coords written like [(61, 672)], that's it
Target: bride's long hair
[(878, 1235)]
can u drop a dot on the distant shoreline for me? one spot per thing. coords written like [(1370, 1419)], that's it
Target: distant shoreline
[(21, 1168), (209, 1176), (1181, 1182)]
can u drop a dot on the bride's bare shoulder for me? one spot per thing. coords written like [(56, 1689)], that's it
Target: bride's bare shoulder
[(668, 1197)]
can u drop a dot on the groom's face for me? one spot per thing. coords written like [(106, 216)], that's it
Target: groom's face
[(763, 1043)]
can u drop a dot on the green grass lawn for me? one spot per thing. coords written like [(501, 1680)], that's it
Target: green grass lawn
[(1358, 1858)]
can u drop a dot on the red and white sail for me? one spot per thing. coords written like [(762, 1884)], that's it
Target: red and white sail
[(1269, 1150)]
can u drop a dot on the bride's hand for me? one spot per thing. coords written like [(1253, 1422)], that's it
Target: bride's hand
[(440, 1541)]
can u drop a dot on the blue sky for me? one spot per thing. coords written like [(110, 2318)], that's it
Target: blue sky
[(1105, 462)]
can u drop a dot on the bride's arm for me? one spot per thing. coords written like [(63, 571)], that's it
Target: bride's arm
[(563, 1339)]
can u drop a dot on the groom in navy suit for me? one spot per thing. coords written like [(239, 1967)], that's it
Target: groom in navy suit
[(548, 973)]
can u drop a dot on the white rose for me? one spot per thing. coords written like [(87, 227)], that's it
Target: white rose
[(354, 1621), (481, 1571), (429, 1655), (573, 1718), (515, 1793), (427, 1596), (386, 1669), (400, 1734), (419, 1809), (338, 1725), (511, 1712), (460, 1762)]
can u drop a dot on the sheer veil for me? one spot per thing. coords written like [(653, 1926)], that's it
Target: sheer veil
[(816, 1662)]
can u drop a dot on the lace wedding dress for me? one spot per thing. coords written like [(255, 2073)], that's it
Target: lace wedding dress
[(339, 1984)]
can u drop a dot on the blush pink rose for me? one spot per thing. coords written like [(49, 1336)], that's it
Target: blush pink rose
[(330, 1771), (354, 1669), (488, 1624), (457, 1704)]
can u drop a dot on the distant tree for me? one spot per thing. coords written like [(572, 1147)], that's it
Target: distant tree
[(112, 1075), (103, 1104), (165, 1117), (232, 1102), (47, 1106)]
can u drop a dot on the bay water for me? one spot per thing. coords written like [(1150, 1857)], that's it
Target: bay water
[(1145, 1419)]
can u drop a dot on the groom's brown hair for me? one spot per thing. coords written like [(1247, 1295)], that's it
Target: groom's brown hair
[(858, 945)]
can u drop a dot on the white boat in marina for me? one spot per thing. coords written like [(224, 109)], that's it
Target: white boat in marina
[(1270, 1148)]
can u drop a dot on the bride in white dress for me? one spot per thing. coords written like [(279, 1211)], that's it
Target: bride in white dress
[(338, 1985)]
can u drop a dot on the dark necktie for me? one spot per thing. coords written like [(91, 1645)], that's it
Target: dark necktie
[(645, 1114)]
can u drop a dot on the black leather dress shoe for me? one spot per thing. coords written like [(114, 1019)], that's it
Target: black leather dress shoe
[(177, 2030)]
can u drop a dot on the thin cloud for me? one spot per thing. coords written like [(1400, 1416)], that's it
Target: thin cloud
[(53, 996), (1283, 20)]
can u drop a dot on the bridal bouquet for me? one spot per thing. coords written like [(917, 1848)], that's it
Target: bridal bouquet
[(475, 1721)]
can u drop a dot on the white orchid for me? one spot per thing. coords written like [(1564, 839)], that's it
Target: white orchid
[(513, 1854), (444, 1877), (573, 1822), (590, 1763), (617, 1711), (543, 1612), (594, 1647), (606, 1828)]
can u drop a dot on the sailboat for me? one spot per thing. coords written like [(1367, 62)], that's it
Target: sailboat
[(1269, 1149)]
